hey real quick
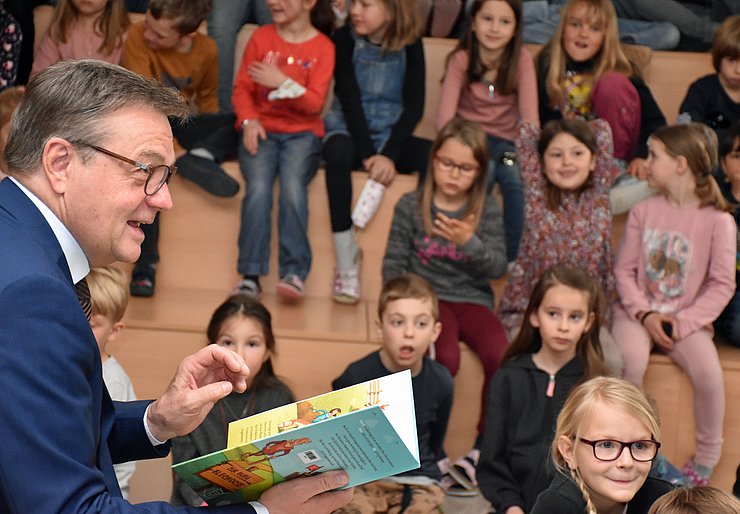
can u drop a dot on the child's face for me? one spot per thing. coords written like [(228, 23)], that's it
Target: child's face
[(369, 18), (494, 25), (285, 11), (562, 318), (583, 36), (161, 34), (407, 328), (661, 167), (245, 336), (729, 73), (731, 163), (104, 329), (567, 162), (455, 170), (89, 7), (609, 483)]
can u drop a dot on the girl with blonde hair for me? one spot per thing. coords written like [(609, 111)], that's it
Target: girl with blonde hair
[(675, 273), (606, 438), (378, 100), (584, 73)]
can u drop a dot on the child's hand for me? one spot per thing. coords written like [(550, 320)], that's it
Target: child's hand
[(253, 132), (267, 74), (638, 168), (454, 230), (515, 510), (381, 169), (653, 323)]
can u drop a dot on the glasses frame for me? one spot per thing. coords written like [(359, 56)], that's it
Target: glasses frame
[(623, 445), (460, 167), (149, 169)]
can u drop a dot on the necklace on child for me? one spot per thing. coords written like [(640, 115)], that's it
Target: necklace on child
[(490, 70), (491, 88)]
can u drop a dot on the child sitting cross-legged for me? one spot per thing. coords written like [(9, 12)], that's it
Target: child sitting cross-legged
[(408, 323)]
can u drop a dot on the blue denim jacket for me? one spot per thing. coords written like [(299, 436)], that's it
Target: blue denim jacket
[(380, 78)]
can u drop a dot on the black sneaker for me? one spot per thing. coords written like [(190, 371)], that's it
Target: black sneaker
[(142, 282), (207, 174)]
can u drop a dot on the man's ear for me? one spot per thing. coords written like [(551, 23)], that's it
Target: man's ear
[(56, 159), (566, 447)]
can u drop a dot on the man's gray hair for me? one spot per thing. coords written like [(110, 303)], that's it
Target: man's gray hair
[(71, 98)]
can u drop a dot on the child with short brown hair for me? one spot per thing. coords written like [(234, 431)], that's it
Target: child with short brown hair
[(408, 323)]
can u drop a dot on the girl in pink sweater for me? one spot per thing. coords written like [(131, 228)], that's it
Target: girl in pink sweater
[(83, 29), (675, 272), (490, 79)]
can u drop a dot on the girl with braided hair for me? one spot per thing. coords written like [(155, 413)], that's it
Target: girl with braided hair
[(675, 273), (606, 438)]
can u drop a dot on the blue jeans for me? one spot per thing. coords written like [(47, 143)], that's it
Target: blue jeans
[(676, 13), (224, 22), (541, 19), (504, 171), (293, 158)]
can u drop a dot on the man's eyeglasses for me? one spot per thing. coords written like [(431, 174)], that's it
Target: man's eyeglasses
[(157, 175), (609, 450), (447, 165)]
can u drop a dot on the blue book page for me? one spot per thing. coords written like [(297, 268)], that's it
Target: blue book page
[(363, 443)]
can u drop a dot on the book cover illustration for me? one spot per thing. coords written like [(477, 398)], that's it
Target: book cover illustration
[(368, 429)]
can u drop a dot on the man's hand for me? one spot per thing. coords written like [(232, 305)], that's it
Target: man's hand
[(201, 380), (267, 74), (454, 230), (253, 132), (381, 169), (308, 495), (654, 325)]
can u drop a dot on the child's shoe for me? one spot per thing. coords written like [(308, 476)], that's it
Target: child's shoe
[(142, 281), (463, 470), (696, 474), (663, 469), (346, 287), (290, 287), (248, 287)]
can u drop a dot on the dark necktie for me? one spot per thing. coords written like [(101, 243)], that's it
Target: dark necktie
[(83, 295)]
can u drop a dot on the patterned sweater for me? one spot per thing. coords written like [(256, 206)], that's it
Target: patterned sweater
[(458, 273), (578, 233)]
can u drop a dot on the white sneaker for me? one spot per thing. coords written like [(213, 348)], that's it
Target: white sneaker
[(346, 287)]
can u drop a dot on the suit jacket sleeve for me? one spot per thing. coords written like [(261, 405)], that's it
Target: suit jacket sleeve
[(52, 458)]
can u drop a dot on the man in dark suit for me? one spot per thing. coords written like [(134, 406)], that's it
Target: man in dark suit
[(89, 154)]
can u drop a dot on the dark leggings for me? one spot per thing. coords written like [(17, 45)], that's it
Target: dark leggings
[(341, 157)]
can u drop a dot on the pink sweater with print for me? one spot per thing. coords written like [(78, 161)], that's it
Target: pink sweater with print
[(676, 260), (499, 114)]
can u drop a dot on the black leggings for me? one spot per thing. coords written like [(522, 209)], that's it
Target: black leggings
[(341, 157)]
